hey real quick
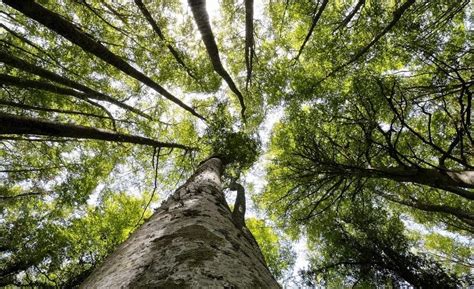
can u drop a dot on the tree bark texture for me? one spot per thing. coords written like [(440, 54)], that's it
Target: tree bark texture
[(190, 242), (458, 182)]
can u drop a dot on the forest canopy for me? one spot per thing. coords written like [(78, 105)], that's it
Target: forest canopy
[(356, 114)]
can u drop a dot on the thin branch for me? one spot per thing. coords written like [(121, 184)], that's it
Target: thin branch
[(23, 195), (38, 48), (158, 31), (316, 18), (28, 139), (85, 93), (351, 15), (156, 154), (397, 15), (462, 215), (401, 117), (91, 9), (31, 107), (249, 40)]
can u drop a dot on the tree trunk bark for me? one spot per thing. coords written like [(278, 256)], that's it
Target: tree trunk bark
[(190, 242), (458, 182)]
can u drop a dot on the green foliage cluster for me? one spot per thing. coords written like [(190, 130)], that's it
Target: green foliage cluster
[(63, 246), (235, 147), (365, 244), (276, 249), (365, 142), (238, 149)]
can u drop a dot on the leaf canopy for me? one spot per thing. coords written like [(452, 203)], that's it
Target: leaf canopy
[(104, 105)]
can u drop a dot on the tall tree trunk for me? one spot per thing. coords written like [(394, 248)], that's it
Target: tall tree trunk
[(190, 242)]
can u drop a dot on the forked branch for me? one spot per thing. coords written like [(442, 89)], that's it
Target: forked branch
[(160, 34)]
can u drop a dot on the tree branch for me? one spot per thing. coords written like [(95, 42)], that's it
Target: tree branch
[(397, 15), (85, 93), (462, 215), (238, 214), (313, 25), (31, 107), (349, 17), (249, 40), (12, 124), (158, 31)]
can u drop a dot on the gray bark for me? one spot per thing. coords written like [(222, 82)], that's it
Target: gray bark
[(190, 242), (238, 214), (460, 183), (451, 181), (198, 8), (20, 125)]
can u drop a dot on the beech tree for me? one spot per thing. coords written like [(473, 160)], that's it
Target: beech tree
[(126, 125)]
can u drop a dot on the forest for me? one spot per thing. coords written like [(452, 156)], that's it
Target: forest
[(236, 144)]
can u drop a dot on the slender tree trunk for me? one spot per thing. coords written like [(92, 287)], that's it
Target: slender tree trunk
[(198, 8), (14, 124), (452, 181), (190, 242), (458, 182)]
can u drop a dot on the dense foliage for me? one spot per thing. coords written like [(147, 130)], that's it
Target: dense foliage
[(106, 105), (276, 249)]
